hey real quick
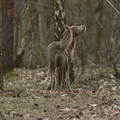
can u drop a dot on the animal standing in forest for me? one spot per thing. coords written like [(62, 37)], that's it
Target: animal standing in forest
[(60, 53)]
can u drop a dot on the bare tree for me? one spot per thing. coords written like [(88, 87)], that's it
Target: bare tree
[(34, 34), (7, 34), (98, 33), (114, 25), (27, 28)]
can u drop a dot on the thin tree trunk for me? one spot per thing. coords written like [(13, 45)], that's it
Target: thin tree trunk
[(1, 67), (114, 25), (98, 33), (80, 43), (16, 42)]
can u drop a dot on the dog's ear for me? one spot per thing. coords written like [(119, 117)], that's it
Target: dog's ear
[(68, 28)]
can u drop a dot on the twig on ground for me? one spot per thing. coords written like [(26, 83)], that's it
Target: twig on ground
[(79, 77), (3, 107)]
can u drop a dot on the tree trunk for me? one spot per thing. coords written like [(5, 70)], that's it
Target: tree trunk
[(34, 35), (114, 25), (59, 26), (7, 34), (113, 38), (27, 28), (1, 67), (98, 33)]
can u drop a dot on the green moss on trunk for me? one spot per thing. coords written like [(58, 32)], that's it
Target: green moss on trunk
[(1, 87), (6, 70)]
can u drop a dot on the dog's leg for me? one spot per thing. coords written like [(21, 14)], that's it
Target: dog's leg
[(52, 84), (63, 81), (52, 78), (67, 78)]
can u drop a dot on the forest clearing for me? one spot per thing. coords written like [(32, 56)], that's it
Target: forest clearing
[(81, 38), (95, 97)]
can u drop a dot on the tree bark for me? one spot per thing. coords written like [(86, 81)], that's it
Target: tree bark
[(98, 33), (1, 67), (114, 25), (24, 39), (34, 35), (7, 34)]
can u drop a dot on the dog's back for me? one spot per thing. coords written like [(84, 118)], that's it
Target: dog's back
[(56, 51)]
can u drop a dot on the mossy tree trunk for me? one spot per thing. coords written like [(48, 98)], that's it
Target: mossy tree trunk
[(7, 35), (99, 32), (59, 26)]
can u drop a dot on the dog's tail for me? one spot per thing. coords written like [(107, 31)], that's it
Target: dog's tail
[(67, 39)]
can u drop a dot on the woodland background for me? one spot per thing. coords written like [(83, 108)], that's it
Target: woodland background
[(27, 27)]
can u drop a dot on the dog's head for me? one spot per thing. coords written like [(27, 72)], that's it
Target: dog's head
[(77, 30)]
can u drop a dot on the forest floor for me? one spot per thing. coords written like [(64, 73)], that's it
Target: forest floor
[(95, 96)]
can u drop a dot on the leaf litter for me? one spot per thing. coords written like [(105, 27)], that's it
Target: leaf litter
[(25, 98)]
